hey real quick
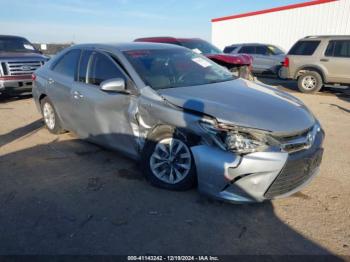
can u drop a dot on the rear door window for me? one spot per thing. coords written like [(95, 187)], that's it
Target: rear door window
[(247, 50), (67, 64), (304, 48), (262, 50), (338, 48), (230, 49), (102, 68)]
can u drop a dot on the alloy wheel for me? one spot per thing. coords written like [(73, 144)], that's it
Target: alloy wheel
[(171, 160), (309, 82), (49, 116)]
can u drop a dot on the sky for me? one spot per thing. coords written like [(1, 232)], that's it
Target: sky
[(79, 21)]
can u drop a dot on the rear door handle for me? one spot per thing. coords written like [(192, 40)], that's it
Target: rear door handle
[(77, 95), (324, 60)]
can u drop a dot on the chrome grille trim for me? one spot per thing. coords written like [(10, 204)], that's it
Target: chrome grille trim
[(300, 142), (15, 68)]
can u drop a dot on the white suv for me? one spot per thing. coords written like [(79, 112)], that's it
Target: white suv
[(318, 60)]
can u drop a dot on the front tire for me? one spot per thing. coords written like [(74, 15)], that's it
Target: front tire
[(51, 119), (310, 82), (167, 160)]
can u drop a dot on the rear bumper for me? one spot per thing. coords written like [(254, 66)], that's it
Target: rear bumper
[(255, 177)]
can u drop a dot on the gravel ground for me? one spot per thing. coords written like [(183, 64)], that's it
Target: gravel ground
[(61, 195)]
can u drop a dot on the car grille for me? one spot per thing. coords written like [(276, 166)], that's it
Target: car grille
[(295, 173), (14, 68), (299, 142)]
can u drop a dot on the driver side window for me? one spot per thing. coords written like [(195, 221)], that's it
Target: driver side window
[(102, 68)]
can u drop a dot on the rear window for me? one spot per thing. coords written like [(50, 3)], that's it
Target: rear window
[(338, 48), (230, 49), (304, 48)]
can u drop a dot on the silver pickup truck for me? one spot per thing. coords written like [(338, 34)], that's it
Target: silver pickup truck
[(18, 60)]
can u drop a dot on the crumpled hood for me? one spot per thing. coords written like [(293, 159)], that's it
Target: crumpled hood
[(234, 59), (244, 103), (22, 56)]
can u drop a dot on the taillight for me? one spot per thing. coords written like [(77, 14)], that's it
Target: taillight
[(33, 77), (286, 62)]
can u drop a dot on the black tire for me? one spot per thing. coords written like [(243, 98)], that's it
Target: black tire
[(56, 128), (158, 135), (279, 73), (316, 79)]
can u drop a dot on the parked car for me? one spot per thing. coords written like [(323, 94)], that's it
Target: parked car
[(18, 60), (266, 58), (187, 119), (239, 65), (318, 60)]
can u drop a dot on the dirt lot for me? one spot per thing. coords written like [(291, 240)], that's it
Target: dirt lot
[(61, 195)]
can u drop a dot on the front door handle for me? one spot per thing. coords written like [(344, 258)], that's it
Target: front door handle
[(324, 60), (77, 95), (50, 81)]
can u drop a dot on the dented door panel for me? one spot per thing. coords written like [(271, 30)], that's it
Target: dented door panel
[(105, 118)]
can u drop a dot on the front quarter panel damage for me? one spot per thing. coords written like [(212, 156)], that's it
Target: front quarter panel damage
[(153, 111)]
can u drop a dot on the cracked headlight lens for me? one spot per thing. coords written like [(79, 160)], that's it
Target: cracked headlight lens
[(243, 143), (240, 140)]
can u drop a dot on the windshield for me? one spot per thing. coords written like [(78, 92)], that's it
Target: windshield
[(15, 44), (171, 68), (200, 46)]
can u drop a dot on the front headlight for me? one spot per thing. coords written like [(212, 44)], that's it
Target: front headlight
[(243, 143), (240, 140)]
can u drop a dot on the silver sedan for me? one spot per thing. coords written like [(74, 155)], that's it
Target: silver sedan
[(186, 119)]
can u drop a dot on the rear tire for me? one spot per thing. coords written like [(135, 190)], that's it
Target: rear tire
[(310, 82), (174, 171), (50, 116), (279, 73)]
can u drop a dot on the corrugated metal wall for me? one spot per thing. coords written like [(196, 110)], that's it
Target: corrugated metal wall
[(284, 28)]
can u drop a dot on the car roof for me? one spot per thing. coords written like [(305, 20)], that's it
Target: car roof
[(312, 37), (12, 36), (167, 39), (245, 44), (128, 46)]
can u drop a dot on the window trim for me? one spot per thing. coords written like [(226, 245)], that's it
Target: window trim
[(325, 51), (79, 64)]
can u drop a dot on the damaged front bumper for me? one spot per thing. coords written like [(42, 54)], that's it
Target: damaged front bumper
[(257, 176)]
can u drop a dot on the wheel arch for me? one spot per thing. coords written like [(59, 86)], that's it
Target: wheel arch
[(41, 97), (300, 71), (189, 137)]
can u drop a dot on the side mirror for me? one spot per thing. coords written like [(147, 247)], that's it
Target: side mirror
[(114, 85)]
